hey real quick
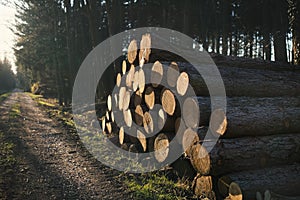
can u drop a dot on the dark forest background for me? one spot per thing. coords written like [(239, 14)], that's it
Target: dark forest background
[(54, 36)]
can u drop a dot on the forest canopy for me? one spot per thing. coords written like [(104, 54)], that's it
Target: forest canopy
[(54, 36)]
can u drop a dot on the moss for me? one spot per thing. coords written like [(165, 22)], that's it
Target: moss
[(4, 96)]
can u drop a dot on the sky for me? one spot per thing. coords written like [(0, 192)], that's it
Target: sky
[(7, 38)]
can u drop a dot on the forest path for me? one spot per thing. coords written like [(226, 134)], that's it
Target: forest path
[(50, 163)]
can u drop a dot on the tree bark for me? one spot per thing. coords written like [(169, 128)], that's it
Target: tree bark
[(248, 82), (285, 180), (256, 116), (252, 153)]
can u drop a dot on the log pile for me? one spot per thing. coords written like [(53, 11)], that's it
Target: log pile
[(259, 132)]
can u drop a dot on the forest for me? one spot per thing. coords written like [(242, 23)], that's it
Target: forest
[(54, 37)]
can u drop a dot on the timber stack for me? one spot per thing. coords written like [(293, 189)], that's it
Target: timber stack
[(259, 145)]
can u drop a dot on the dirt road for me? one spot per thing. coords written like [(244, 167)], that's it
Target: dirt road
[(50, 162)]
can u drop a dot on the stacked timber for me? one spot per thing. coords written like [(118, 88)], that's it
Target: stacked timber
[(259, 131)]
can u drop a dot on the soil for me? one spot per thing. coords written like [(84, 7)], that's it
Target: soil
[(51, 163)]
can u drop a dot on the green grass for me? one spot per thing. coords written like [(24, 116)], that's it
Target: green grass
[(157, 186), (4, 96), (15, 111), (7, 160)]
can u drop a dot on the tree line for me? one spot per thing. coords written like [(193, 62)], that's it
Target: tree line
[(54, 36), (7, 77)]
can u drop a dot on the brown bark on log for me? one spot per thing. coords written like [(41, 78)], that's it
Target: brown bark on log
[(233, 155), (285, 180), (248, 82), (139, 115), (248, 116)]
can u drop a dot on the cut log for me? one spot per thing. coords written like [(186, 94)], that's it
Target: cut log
[(126, 100), (127, 117), (141, 80), (124, 67), (122, 94), (180, 128), (139, 115), (182, 83), (157, 73), (191, 112), (168, 102), (247, 82), (202, 186), (149, 97), (183, 168), (103, 124), (218, 122), (142, 139), (121, 135), (109, 127), (109, 103), (285, 180), (161, 147), (248, 153), (130, 77), (135, 84), (112, 117), (189, 139), (148, 123), (248, 116), (118, 80), (137, 98), (132, 51), (172, 74), (200, 159), (107, 116), (145, 49)]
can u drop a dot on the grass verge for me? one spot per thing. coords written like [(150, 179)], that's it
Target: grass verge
[(4, 96)]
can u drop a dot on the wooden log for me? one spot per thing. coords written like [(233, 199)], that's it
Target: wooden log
[(189, 139), (121, 136), (135, 84), (137, 98), (126, 100), (127, 117), (247, 82), (161, 146), (168, 102), (182, 83), (183, 168), (249, 153), (122, 94), (132, 51), (285, 180), (172, 74), (247, 116), (202, 186), (118, 80), (145, 49), (200, 159), (149, 97), (139, 115), (124, 67), (109, 103), (142, 139), (148, 123), (191, 112), (141, 80), (130, 77), (180, 128), (157, 73)]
